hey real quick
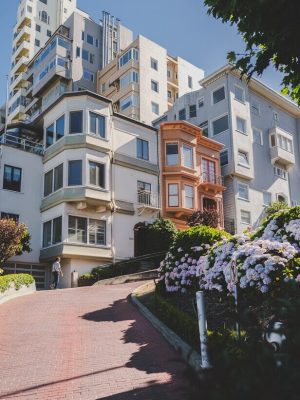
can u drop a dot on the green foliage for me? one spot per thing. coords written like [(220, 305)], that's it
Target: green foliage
[(196, 236), (14, 239), (274, 208), (17, 280), (208, 217), (117, 269), (271, 37), (152, 238)]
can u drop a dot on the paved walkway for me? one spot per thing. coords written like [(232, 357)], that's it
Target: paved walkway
[(87, 344)]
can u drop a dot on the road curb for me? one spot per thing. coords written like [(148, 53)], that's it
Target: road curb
[(190, 356)]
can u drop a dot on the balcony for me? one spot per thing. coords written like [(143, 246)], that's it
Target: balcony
[(147, 201), (22, 34), (281, 148), (19, 82), (25, 20), (22, 144), (53, 74), (20, 65), (124, 91), (22, 49), (211, 182)]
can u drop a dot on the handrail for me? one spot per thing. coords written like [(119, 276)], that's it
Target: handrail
[(207, 177), (23, 144), (147, 198)]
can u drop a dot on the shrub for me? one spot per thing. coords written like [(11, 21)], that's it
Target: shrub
[(274, 208), (117, 269), (17, 280), (207, 217)]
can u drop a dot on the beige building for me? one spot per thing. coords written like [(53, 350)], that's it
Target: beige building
[(144, 81)]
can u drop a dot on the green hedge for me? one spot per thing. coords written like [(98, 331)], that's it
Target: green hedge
[(198, 235), (17, 279)]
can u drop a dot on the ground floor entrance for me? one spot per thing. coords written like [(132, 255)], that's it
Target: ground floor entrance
[(41, 273)]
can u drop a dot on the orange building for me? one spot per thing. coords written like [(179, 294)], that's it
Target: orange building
[(190, 172)]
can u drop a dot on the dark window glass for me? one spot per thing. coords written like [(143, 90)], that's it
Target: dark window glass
[(75, 173), (97, 172), (76, 122), (172, 156), (57, 228), (12, 178), (77, 51), (89, 39), (5, 215), (60, 127), (224, 158), (218, 95), (97, 124), (48, 183), (58, 177), (85, 55), (50, 135), (220, 125), (193, 111), (142, 149), (47, 226), (182, 114)]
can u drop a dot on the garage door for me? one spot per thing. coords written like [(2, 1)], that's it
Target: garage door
[(39, 272)]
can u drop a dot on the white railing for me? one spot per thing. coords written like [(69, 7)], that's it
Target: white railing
[(147, 199), (21, 143), (207, 177)]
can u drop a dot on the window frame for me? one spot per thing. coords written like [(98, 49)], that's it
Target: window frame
[(250, 217), (166, 154), (191, 152), (194, 112), (241, 184), (82, 122), (185, 196), (264, 203), (98, 174), (173, 195), (247, 158), (223, 152), (154, 86), (155, 106), (142, 156), (98, 125), (216, 119), (243, 94), (19, 189), (81, 180), (215, 90), (244, 132), (87, 242), (154, 64)]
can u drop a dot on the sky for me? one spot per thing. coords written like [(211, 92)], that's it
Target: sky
[(181, 26)]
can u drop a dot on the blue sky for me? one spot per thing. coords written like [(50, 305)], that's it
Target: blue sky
[(182, 26)]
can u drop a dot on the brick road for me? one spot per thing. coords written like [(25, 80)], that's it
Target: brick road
[(87, 343)]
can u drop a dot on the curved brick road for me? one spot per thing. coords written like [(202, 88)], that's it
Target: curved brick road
[(87, 343)]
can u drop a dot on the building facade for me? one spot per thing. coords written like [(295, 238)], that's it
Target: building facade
[(190, 172), (85, 176), (259, 129), (144, 81)]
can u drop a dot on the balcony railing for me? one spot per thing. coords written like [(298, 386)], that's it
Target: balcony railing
[(146, 198), (213, 179), (21, 143)]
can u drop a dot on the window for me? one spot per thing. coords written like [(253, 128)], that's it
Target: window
[(49, 33), (245, 217), (77, 230), (239, 94), (173, 195), (168, 73), (142, 149), (275, 116), (97, 43), (255, 107), (224, 158), (29, 9), (6, 215), (154, 64), (190, 82), (65, 10), (38, 28), (44, 17), (220, 125), (58, 177), (43, 1), (97, 124), (204, 127), (76, 122), (201, 102), (208, 170), (172, 155), (48, 183), (188, 196), (96, 173), (143, 186), (241, 125), (60, 127), (182, 114), (97, 230), (281, 198), (187, 156), (50, 135), (267, 198), (285, 143), (243, 191), (90, 39), (92, 58), (218, 95), (154, 86), (56, 230), (75, 173), (243, 158), (155, 108), (12, 178), (169, 94), (130, 101), (47, 234), (82, 35), (193, 111), (130, 77), (280, 172), (88, 75), (85, 55), (132, 54), (78, 52), (257, 136), (37, 42)]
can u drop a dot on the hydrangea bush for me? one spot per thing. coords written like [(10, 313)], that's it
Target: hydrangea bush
[(263, 262)]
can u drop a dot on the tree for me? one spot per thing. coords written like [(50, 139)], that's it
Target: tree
[(208, 217), (14, 239), (270, 30)]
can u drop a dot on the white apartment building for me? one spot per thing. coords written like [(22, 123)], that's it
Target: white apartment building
[(67, 57), (261, 133), (36, 22), (144, 81), (80, 177)]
